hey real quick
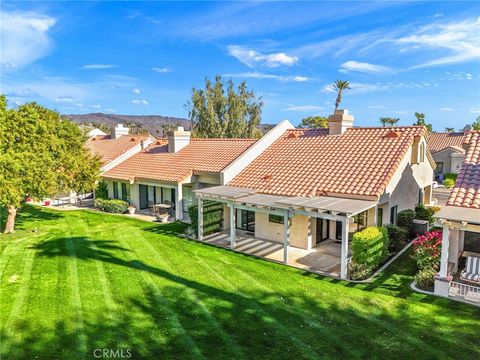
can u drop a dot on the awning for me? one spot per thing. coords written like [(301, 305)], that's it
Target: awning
[(249, 197), (459, 214)]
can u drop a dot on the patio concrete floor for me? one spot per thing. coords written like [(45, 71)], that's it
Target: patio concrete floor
[(323, 258)]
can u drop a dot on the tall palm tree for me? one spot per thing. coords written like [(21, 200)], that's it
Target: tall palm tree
[(339, 86)]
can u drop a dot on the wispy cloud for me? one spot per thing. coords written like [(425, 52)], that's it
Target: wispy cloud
[(303, 108), (446, 109), (252, 58), (136, 91), (64, 99), (475, 110), (376, 107), (259, 75), (363, 67), (459, 40), (97, 66), (25, 37), (161, 70), (139, 102), (356, 87)]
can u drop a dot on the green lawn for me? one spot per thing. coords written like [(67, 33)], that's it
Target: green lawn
[(73, 282)]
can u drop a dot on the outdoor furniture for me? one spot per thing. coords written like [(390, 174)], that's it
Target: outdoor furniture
[(471, 272), (159, 208)]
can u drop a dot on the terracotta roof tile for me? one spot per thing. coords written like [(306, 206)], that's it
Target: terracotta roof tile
[(359, 162), (466, 192), (109, 149), (200, 155), (438, 141)]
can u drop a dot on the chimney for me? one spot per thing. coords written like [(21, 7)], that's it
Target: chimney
[(118, 131), (339, 122), (178, 139)]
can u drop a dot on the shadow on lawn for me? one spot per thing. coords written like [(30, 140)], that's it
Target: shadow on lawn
[(28, 216)]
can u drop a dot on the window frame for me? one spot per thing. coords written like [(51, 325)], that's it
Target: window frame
[(115, 190), (276, 219)]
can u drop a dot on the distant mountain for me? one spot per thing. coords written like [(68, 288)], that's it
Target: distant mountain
[(156, 125)]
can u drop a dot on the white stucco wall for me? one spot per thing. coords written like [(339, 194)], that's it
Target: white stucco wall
[(267, 230)]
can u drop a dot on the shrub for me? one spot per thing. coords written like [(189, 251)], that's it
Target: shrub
[(359, 271), (114, 206), (423, 213), (398, 236), (451, 176), (101, 192), (370, 246), (448, 183), (425, 278), (212, 217), (427, 250), (405, 219)]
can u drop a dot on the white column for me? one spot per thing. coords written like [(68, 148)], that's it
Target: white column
[(233, 226), (200, 219), (286, 236), (445, 247), (344, 249), (178, 205), (309, 233)]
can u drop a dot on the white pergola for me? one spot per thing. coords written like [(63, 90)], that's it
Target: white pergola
[(323, 207)]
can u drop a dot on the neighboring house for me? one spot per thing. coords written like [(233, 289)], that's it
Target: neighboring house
[(320, 185), (95, 132), (171, 171), (460, 220), (447, 151), (118, 146)]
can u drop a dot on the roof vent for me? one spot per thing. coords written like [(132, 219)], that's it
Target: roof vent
[(394, 134), (267, 177), (293, 135)]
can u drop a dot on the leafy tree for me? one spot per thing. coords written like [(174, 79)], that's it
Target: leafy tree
[(314, 122), (41, 154), (340, 86), (449, 129), (476, 124), (225, 111), (421, 121), (389, 121)]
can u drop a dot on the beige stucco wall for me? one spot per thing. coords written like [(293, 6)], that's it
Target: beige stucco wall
[(444, 157), (299, 234)]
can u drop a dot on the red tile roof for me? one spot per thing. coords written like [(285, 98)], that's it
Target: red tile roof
[(200, 155), (439, 141), (309, 162), (109, 149), (466, 192)]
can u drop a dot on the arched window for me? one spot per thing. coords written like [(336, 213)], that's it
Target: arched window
[(422, 152)]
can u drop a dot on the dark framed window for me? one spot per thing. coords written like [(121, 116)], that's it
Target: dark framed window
[(393, 215), (275, 218), (439, 168), (125, 192), (361, 220), (379, 217), (115, 190)]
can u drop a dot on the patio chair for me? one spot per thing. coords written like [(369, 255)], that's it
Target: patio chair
[(471, 272)]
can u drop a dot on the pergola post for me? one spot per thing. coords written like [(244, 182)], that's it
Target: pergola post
[(344, 249), (233, 223), (286, 236), (445, 247), (200, 218), (179, 202)]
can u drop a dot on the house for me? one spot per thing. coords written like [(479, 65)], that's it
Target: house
[(447, 151), (460, 221), (312, 188), (95, 132), (170, 170), (118, 146)]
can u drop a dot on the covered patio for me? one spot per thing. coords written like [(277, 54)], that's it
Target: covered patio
[(329, 256)]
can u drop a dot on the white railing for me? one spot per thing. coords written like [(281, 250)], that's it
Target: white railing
[(468, 292)]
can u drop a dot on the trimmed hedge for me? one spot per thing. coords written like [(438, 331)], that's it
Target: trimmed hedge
[(114, 206), (451, 176), (101, 192), (398, 236), (370, 246), (405, 219), (423, 213), (359, 271), (448, 183), (212, 217)]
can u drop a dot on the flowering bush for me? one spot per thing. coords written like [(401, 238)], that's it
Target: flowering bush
[(427, 249)]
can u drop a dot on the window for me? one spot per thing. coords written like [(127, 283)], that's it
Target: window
[(421, 194), (379, 217), (393, 215), (439, 168), (125, 194), (115, 190), (187, 198), (422, 152), (275, 218), (361, 220)]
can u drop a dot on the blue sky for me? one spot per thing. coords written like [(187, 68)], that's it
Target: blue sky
[(145, 57)]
